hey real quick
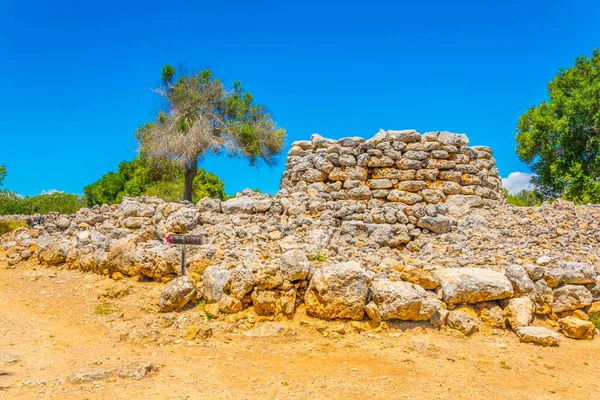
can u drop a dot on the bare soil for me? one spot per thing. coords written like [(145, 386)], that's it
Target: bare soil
[(60, 322)]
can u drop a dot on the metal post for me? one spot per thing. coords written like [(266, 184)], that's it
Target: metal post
[(183, 261)]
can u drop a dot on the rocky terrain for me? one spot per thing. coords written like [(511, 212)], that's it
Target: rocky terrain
[(402, 228)]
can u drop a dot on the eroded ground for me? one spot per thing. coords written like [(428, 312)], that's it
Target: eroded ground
[(62, 323)]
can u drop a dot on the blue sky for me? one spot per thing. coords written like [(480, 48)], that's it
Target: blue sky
[(77, 75)]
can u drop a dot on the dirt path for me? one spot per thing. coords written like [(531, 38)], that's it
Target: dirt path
[(49, 319)]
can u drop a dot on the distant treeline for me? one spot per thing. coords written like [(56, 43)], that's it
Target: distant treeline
[(160, 178), (64, 203)]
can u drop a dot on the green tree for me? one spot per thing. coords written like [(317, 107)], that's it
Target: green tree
[(201, 116), (560, 138), (155, 177), (2, 173), (525, 198)]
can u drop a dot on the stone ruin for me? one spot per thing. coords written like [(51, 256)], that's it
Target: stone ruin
[(394, 167), (399, 227)]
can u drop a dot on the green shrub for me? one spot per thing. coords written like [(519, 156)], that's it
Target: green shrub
[(105, 308), (595, 319), (63, 203), (10, 225)]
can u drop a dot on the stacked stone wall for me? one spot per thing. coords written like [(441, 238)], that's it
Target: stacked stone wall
[(395, 167)]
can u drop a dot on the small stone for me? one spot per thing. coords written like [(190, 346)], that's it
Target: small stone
[(85, 376), (138, 370), (463, 320)]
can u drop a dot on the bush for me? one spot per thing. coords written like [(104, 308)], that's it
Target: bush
[(162, 178), (595, 319), (64, 203), (10, 225)]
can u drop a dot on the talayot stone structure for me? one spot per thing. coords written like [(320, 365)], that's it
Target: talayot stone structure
[(395, 167), (402, 226)]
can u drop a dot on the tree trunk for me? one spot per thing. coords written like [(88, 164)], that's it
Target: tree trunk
[(189, 172)]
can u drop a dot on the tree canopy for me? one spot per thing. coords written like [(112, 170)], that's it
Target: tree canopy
[(161, 178), (560, 138), (201, 116), (2, 173)]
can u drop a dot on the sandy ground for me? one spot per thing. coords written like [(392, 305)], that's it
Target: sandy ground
[(49, 319)]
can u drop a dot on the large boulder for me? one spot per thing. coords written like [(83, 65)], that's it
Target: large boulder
[(404, 301), (575, 328), (215, 278), (177, 294), (294, 265), (570, 297), (538, 335), (472, 285), (338, 291), (570, 272)]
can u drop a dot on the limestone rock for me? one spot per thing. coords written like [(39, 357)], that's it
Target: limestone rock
[(137, 370), (463, 320), (519, 312), (214, 278), (493, 317), (238, 205), (183, 220), (542, 297), (241, 282), (51, 252), (268, 276), (404, 301), (294, 265), (538, 335), (230, 305), (576, 328), (85, 376), (269, 329), (519, 278), (570, 272), (338, 291), (121, 256), (472, 285), (177, 294), (570, 297), (439, 224)]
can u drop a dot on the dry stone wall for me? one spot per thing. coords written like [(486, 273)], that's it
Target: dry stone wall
[(395, 169)]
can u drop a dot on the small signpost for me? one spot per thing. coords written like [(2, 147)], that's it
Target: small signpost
[(194, 240)]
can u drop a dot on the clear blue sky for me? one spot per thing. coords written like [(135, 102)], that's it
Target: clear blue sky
[(77, 75)]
